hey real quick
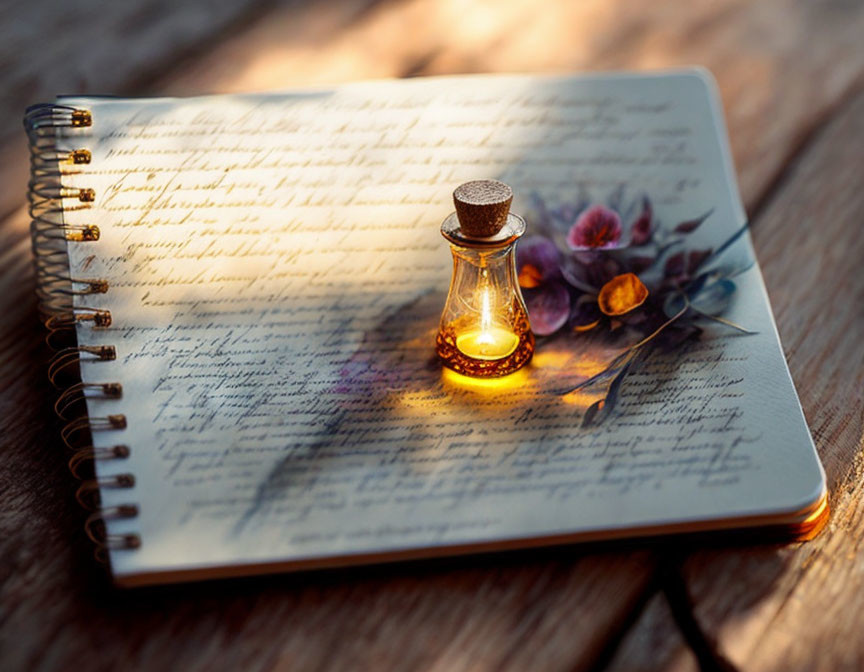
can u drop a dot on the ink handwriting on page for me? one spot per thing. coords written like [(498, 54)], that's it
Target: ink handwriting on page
[(277, 276)]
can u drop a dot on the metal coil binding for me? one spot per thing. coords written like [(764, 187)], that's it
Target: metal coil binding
[(96, 530), (89, 454), (79, 392), (69, 358), (50, 201), (61, 324), (88, 492), (74, 428)]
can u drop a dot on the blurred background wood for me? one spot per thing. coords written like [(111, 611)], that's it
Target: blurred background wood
[(785, 69)]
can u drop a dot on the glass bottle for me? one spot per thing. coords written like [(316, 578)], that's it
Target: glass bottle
[(484, 330)]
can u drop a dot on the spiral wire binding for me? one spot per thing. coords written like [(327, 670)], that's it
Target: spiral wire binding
[(70, 358), (49, 201)]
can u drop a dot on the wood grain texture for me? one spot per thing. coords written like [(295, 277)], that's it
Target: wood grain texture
[(782, 67), (798, 607)]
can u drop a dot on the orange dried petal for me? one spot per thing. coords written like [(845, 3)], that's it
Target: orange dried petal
[(579, 328), (530, 277), (622, 294)]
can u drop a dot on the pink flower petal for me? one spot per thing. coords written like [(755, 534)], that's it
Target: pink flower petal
[(597, 228), (540, 254), (548, 307)]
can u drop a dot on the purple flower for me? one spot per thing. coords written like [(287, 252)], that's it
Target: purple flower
[(537, 261), (547, 298), (548, 307), (598, 228)]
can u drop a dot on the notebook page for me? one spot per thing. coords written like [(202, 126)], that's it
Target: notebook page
[(276, 278)]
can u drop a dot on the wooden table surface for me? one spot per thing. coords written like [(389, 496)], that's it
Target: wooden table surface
[(792, 81)]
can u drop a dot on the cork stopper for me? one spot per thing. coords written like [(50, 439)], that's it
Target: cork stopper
[(482, 207)]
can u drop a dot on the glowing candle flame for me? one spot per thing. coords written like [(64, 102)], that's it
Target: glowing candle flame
[(486, 312), (490, 341)]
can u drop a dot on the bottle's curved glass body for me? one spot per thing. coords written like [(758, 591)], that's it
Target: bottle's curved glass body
[(484, 329)]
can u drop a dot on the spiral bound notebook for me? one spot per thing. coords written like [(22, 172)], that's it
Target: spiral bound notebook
[(244, 292)]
